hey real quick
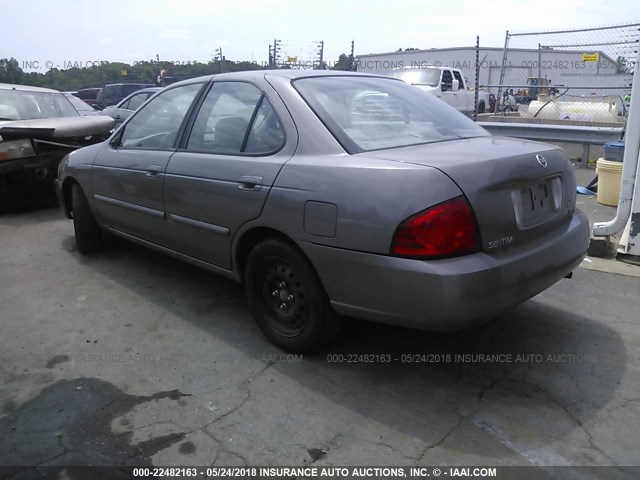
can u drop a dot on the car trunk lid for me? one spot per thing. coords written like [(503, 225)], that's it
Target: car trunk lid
[(518, 190)]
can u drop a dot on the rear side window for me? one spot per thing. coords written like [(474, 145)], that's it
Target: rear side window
[(236, 118)]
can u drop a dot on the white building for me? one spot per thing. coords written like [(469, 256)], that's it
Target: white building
[(561, 67)]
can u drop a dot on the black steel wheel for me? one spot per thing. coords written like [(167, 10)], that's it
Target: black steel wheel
[(287, 298)]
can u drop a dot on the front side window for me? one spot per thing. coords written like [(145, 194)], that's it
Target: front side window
[(447, 80), (156, 125), (372, 113), (235, 118)]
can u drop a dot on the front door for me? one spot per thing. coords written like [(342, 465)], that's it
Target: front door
[(128, 174)]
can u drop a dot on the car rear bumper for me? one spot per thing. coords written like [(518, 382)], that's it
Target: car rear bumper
[(448, 294)]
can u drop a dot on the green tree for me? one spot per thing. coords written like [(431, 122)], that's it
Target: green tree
[(10, 71), (622, 65), (344, 62)]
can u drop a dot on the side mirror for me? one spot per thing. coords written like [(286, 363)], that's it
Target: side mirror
[(455, 85), (116, 140)]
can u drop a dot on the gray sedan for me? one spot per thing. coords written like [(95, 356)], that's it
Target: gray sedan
[(332, 195)]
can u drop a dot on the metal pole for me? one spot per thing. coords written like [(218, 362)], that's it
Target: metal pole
[(630, 187), (475, 97), (539, 61), (504, 61), (351, 57)]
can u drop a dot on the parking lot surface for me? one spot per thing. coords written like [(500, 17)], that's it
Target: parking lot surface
[(131, 357)]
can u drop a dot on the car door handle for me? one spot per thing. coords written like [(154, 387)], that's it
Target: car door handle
[(154, 171), (248, 182)]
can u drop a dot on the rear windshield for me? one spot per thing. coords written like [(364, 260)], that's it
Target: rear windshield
[(369, 113), (427, 77), (25, 105), (79, 104)]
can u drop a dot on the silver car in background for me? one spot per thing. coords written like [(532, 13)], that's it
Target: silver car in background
[(329, 195), (130, 104)]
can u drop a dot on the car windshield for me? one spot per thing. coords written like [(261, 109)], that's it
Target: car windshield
[(369, 113), (79, 104), (427, 77), (26, 105)]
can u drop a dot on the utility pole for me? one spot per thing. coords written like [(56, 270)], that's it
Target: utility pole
[(220, 58), (320, 53), (352, 57), (275, 49)]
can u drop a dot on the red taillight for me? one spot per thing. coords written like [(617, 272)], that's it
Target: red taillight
[(448, 229)]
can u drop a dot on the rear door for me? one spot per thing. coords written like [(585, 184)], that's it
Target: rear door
[(128, 175), (223, 173)]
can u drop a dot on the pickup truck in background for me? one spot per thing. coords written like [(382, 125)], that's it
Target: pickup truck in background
[(447, 84)]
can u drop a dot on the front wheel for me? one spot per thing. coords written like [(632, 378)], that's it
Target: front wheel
[(287, 298), (88, 233)]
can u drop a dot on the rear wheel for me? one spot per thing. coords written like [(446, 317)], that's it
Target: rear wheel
[(481, 107), (88, 233), (287, 298)]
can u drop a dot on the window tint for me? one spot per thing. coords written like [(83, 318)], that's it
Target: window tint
[(125, 104), (156, 125), (266, 135), (136, 101), (375, 113), (223, 119), (447, 80), (459, 78)]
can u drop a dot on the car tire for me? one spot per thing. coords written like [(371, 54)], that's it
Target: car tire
[(287, 298), (89, 237), (481, 107)]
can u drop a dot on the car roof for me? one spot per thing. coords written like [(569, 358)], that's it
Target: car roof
[(148, 89), (286, 73), (26, 88), (121, 84)]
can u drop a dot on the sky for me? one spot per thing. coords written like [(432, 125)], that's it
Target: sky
[(64, 32)]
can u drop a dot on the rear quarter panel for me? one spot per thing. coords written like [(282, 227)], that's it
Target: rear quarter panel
[(371, 197)]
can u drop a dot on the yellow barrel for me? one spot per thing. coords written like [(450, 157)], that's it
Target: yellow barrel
[(609, 180)]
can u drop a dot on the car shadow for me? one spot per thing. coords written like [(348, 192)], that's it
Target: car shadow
[(532, 376), (29, 198)]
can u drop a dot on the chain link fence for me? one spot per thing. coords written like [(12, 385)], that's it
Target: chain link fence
[(579, 76)]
